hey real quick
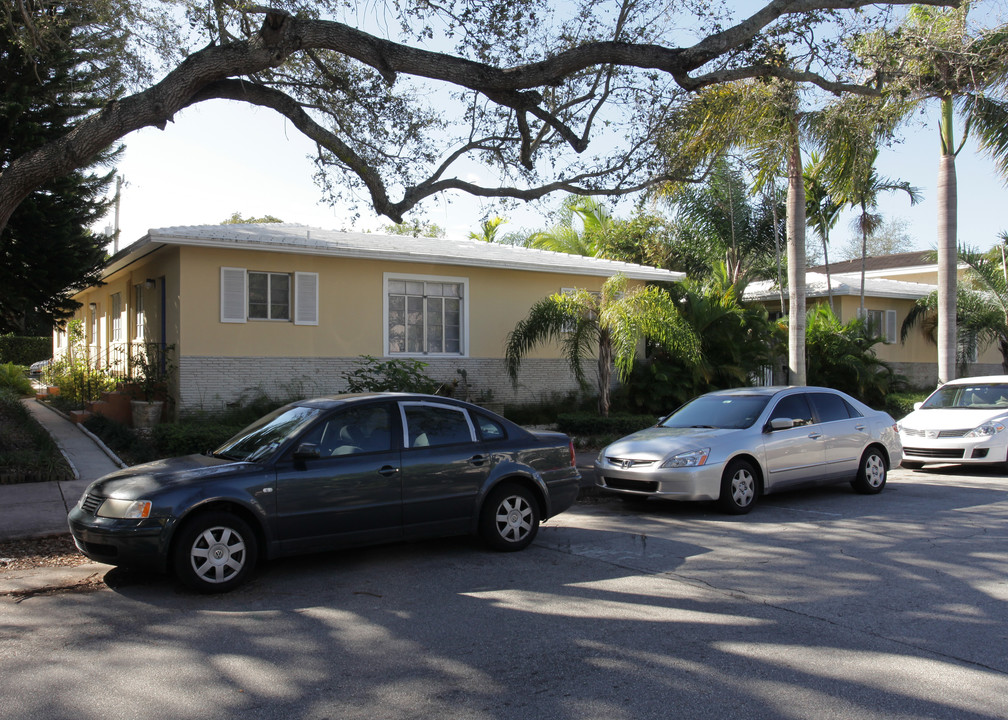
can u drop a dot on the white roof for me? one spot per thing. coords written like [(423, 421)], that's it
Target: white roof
[(304, 240), (844, 284)]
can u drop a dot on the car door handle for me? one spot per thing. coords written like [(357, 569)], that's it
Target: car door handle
[(859, 428), (815, 435), (388, 471), (477, 460)]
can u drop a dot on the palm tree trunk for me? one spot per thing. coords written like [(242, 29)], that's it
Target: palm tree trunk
[(604, 371), (829, 284), (796, 262), (864, 256), (947, 240)]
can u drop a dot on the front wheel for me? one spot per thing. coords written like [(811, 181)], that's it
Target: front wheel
[(510, 518), (738, 488), (216, 552), (871, 477)]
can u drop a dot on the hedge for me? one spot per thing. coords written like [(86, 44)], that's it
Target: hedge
[(585, 423), (22, 350)]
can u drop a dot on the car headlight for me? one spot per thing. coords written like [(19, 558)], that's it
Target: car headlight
[(985, 430), (125, 509), (691, 458)]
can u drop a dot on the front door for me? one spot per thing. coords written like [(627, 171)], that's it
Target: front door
[(794, 456), (352, 492)]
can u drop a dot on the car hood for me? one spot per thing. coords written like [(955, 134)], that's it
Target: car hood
[(950, 418), (140, 480), (657, 442)]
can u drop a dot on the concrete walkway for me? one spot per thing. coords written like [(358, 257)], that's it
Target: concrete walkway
[(38, 509)]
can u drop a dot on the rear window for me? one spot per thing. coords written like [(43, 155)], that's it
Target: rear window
[(830, 407)]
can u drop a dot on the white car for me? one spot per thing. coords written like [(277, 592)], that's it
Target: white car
[(964, 421), (733, 446)]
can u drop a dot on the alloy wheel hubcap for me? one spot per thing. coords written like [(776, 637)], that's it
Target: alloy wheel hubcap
[(743, 488), (874, 470), (514, 518), (218, 554)]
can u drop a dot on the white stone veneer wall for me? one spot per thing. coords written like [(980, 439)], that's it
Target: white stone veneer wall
[(212, 383)]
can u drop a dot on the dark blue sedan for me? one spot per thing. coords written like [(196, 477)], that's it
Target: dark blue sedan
[(327, 473)]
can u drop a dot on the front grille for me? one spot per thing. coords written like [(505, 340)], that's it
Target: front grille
[(941, 434), (626, 463), (637, 485), (91, 503), (942, 453)]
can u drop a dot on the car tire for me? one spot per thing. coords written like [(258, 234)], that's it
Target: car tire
[(510, 518), (872, 473), (739, 487), (216, 552), (910, 465)]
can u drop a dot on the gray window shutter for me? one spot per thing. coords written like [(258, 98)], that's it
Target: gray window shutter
[(233, 306), (305, 298)]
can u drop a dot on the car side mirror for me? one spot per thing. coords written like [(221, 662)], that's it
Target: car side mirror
[(918, 405), (780, 424), (307, 451)]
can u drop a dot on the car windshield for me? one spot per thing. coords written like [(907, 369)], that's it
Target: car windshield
[(985, 396), (267, 434), (718, 411)]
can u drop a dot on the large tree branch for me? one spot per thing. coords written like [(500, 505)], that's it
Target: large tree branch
[(281, 36)]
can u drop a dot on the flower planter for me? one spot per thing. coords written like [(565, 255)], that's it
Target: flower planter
[(146, 414)]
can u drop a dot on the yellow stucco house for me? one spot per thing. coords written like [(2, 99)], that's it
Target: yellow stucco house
[(282, 307), (893, 283)]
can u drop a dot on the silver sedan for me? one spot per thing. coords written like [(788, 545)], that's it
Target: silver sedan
[(733, 446)]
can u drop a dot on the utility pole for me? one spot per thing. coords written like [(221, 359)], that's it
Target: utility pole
[(115, 231)]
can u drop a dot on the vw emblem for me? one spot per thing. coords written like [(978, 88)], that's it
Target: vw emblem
[(931, 434), (218, 553)]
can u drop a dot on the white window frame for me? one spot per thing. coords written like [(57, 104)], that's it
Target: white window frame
[(887, 331), (269, 295), (115, 317), (139, 316), (304, 296), (463, 321)]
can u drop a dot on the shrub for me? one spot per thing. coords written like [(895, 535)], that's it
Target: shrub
[(899, 405), (124, 442), (24, 350), (15, 377), (586, 423), (373, 375), (191, 436)]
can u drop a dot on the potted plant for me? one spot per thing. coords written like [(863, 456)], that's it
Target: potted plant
[(150, 370)]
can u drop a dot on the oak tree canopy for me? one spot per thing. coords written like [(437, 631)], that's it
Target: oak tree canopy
[(398, 95)]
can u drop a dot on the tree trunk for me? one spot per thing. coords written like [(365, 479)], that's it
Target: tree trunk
[(829, 284), (796, 263), (947, 240), (604, 371)]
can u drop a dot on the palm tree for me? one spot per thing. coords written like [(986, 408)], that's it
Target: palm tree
[(822, 210), (581, 220), (720, 218), (860, 190), (765, 119), (611, 324), (489, 228), (936, 55)]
